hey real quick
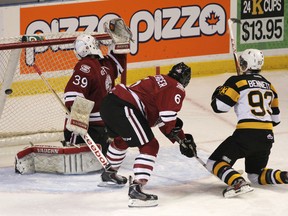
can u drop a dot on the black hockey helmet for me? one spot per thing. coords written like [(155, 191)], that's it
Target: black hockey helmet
[(181, 73)]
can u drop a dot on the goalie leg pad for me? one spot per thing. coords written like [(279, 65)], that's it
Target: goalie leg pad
[(53, 159), (24, 162)]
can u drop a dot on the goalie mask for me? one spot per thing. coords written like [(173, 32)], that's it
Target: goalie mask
[(181, 73), (251, 60), (85, 45)]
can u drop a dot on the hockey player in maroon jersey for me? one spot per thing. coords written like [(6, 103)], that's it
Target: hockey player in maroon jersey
[(93, 77), (255, 103), (130, 112)]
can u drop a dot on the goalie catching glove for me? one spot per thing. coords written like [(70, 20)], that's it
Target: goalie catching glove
[(188, 146), (120, 34), (78, 121)]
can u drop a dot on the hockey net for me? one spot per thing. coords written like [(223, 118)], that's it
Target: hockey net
[(29, 112)]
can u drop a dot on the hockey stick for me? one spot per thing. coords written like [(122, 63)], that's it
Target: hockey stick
[(196, 156), (88, 140), (231, 21)]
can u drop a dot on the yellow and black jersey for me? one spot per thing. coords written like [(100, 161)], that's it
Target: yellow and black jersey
[(254, 99)]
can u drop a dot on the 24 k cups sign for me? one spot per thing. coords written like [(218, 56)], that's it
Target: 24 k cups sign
[(263, 24), (161, 29)]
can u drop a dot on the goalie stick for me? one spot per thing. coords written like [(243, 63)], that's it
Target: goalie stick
[(88, 140), (231, 21)]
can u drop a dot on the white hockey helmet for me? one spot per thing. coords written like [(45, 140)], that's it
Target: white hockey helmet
[(251, 59), (86, 45)]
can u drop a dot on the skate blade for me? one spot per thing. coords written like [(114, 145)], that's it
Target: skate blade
[(137, 203), (242, 190), (110, 185)]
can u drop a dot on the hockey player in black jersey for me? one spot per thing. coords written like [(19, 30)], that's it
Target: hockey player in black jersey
[(255, 102)]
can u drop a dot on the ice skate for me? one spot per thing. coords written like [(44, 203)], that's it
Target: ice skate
[(109, 178), (137, 198), (238, 188)]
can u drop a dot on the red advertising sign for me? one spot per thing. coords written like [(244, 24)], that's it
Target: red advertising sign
[(161, 29)]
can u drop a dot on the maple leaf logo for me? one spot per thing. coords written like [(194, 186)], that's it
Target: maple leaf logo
[(213, 19)]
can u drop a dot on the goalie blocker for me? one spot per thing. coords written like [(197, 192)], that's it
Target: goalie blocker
[(54, 159), (78, 121)]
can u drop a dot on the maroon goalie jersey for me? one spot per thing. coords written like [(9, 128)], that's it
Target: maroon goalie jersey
[(159, 98), (92, 79)]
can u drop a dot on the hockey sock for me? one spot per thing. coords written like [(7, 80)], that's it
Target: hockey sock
[(115, 156), (143, 167), (270, 176), (226, 173)]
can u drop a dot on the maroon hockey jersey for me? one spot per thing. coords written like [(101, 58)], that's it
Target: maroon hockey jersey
[(93, 79), (159, 98)]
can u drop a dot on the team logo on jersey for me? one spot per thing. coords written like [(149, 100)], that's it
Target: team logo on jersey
[(223, 90), (104, 70), (85, 68), (270, 137), (160, 81)]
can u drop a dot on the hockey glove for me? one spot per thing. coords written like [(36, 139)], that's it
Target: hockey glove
[(188, 146), (120, 34), (178, 127)]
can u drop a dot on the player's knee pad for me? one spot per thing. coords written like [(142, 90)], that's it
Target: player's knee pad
[(150, 148)]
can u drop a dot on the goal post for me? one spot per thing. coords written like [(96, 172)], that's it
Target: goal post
[(8, 77), (29, 112)]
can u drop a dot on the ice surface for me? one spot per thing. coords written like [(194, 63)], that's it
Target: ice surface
[(183, 185)]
